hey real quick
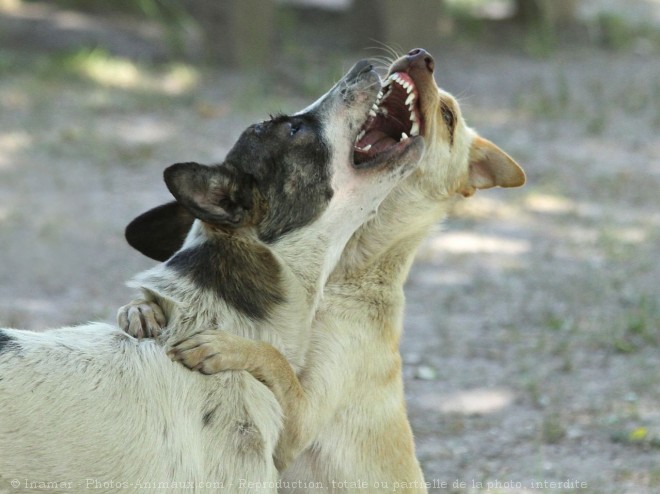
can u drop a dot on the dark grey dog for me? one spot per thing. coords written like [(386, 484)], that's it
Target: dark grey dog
[(93, 404)]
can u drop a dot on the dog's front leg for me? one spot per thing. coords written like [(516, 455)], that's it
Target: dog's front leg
[(141, 318), (213, 351)]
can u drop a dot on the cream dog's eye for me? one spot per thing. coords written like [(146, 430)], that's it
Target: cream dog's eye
[(449, 117)]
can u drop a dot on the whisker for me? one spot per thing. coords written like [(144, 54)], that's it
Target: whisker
[(383, 63), (395, 52)]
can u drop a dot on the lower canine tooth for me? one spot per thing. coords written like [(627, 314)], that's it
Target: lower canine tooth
[(366, 148), (404, 136)]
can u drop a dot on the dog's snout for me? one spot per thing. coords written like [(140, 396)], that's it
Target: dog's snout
[(360, 68), (419, 57)]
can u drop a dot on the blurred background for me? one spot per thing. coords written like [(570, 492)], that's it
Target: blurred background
[(532, 344)]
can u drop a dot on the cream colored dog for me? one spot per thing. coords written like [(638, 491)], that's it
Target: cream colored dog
[(345, 417)]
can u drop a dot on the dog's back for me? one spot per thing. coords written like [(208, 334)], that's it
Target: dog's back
[(145, 418)]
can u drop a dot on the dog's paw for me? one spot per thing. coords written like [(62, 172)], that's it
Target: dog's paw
[(141, 319), (212, 351)]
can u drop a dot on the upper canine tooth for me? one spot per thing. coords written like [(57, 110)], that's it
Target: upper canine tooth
[(410, 99), (388, 81), (409, 88), (414, 130)]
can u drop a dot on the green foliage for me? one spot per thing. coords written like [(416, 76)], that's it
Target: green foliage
[(639, 327), (552, 429), (170, 11)]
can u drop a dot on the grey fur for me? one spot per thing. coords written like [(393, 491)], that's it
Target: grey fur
[(90, 402)]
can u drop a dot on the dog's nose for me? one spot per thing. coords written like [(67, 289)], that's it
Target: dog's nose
[(419, 57), (360, 68)]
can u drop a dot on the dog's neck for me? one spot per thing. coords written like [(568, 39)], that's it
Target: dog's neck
[(388, 243)]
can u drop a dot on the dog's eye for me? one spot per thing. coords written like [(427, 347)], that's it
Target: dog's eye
[(295, 127), (448, 117)]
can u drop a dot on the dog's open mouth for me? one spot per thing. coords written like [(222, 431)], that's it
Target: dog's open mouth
[(392, 121)]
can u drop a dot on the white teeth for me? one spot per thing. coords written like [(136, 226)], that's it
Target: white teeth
[(360, 136), (410, 99), (380, 95), (372, 113), (408, 86), (414, 129), (366, 148), (404, 136), (413, 116)]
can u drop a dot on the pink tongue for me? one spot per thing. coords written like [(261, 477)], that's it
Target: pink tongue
[(378, 140)]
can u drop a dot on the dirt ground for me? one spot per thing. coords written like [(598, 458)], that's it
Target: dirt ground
[(532, 344)]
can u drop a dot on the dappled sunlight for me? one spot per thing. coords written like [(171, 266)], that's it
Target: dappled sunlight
[(116, 72), (477, 243), (4, 214), (447, 277), (10, 144), (478, 401), (137, 129), (629, 235), (549, 204), (485, 207)]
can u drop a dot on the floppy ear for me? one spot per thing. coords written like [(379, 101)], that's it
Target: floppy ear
[(491, 167), (161, 231), (215, 194)]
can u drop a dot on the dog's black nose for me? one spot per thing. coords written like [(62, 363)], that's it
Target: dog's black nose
[(421, 58)]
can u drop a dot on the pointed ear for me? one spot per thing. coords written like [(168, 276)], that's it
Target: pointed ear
[(215, 194), (491, 167), (161, 231)]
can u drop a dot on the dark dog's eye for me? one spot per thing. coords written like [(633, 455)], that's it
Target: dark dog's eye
[(294, 127)]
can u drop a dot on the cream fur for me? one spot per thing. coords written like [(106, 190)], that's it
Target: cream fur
[(353, 422)]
